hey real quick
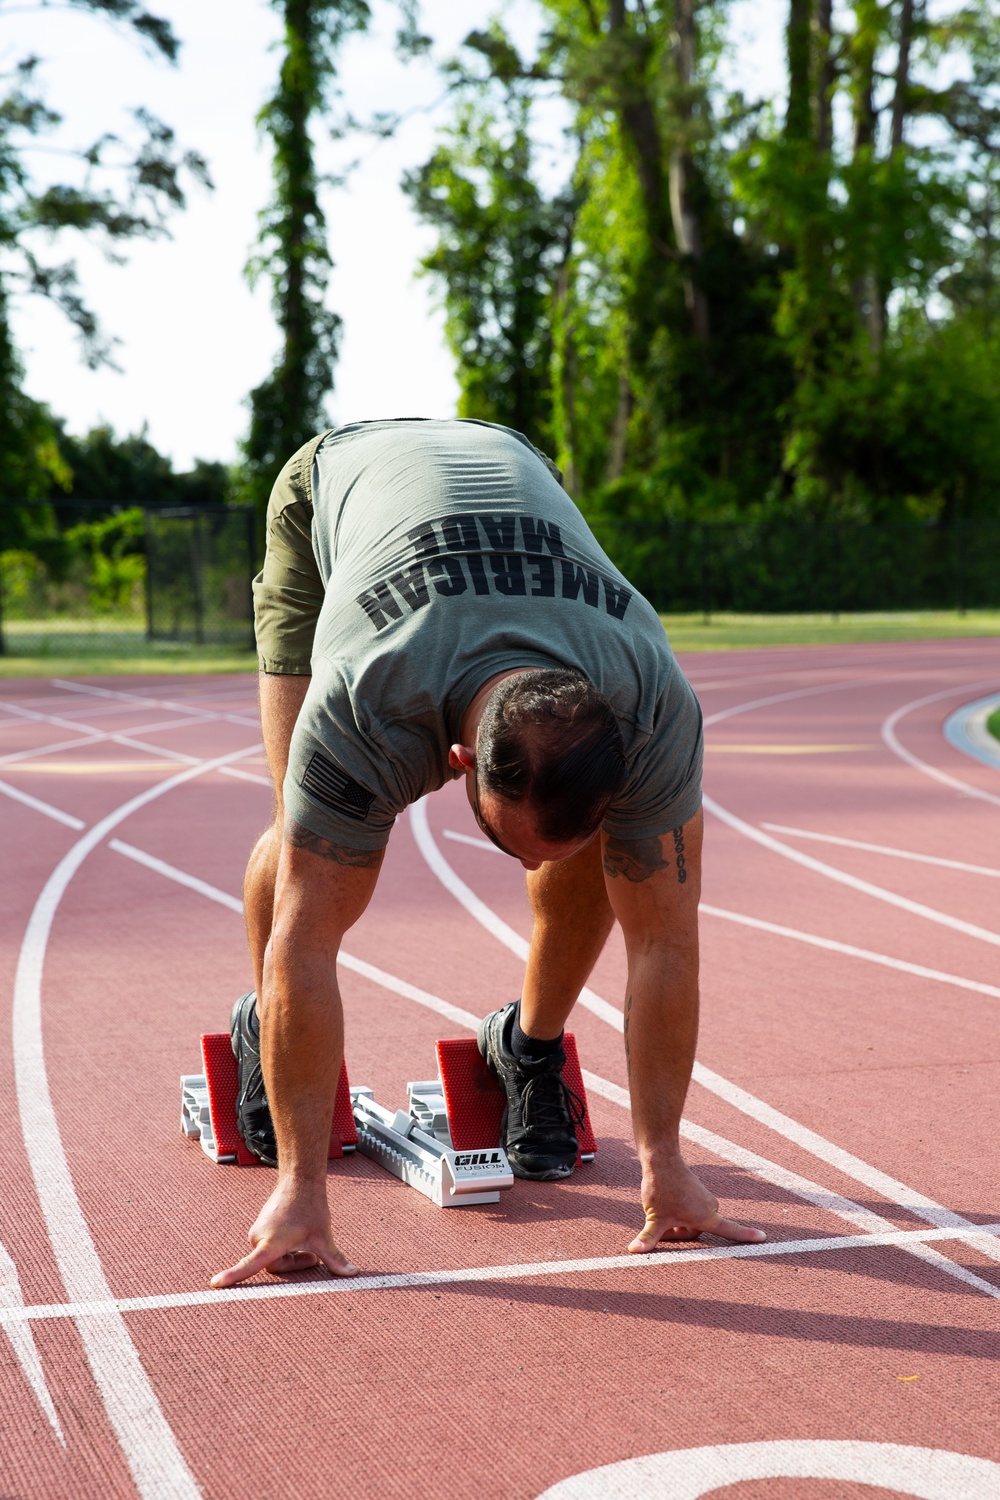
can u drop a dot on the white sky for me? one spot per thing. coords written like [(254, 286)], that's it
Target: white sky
[(194, 339)]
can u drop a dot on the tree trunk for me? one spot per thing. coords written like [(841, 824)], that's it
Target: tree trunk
[(687, 230), (823, 73), (899, 98), (798, 46), (619, 433)]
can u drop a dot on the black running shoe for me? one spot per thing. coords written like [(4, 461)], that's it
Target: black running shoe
[(538, 1125), (253, 1115)]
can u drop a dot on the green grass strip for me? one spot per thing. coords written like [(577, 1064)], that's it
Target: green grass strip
[(112, 651), (730, 632)]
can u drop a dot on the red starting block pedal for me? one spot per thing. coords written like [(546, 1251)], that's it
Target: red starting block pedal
[(476, 1102), (208, 1107)]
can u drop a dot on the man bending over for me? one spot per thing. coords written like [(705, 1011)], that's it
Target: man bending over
[(433, 605)]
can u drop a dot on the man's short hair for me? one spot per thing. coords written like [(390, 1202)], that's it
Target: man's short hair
[(549, 738)]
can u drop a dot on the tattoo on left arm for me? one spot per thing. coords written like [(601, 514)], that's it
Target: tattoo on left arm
[(636, 859), (682, 873)]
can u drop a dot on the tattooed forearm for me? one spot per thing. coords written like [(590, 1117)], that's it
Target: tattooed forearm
[(340, 854), (682, 873), (636, 859)]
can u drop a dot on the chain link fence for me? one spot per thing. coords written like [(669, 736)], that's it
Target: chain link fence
[(817, 567), (82, 578), (93, 579)]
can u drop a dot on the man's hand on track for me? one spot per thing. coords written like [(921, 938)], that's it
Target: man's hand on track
[(679, 1207), (292, 1233)]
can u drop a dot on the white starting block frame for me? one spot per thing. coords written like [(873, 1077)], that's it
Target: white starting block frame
[(416, 1147), (425, 1159), (196, 1116)]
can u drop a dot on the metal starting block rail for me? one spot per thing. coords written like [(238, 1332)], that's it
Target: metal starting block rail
[(449, 1178)]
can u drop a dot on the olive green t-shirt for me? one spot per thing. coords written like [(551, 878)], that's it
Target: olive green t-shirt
[(449, 553)]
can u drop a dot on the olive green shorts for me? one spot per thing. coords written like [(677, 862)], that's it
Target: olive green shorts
[(288, 591)]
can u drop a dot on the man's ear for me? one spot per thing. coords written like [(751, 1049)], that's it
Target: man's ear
[(461, 758)]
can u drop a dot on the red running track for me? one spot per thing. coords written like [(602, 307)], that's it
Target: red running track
[(845, 1101)]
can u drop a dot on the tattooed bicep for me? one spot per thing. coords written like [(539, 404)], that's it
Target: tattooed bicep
[(638, 859), (635, 859), (340, 854)]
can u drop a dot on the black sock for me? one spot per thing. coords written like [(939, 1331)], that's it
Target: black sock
[(531, 1048)]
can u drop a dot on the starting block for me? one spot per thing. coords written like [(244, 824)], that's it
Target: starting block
[(447, 1145), (208, 1107), (475, 1102)]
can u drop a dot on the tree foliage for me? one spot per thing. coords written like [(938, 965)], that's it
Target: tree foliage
[(288, 406), (500, 248), (124, 189), (742, 308)]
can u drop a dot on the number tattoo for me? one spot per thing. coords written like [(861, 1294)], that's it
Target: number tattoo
[(682, 873)]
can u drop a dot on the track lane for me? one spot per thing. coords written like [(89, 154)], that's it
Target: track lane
[(712, 1313)]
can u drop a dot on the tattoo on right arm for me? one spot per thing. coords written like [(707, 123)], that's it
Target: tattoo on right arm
[(340, 854)]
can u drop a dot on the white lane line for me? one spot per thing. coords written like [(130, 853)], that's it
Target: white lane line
[(800, 1187), (467, 838), (149, 702), (760, 1166), (485, 915), (55, 813), (192, 760), (865, 887), (920, 971), (22, 1341), (923, 859), (36, 751), (891, 740), (830, 944), (95, 737), (851, 1166), (156, 1463), (808, 692), (660, 1260), (180, 876)]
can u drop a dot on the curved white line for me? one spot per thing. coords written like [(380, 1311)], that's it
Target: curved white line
[(800, 1135), (854, 882), (485, 915), (157, 1465), (690, 1473), (726, 1150), (809, 692), (891, 740)]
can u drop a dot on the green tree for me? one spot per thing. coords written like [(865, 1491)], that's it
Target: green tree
[(754, 310), (288, 406), (886, 236), (130, 471), (125, 190), (500, 247)]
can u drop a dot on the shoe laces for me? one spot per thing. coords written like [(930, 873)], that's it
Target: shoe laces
[(547, 1101)]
